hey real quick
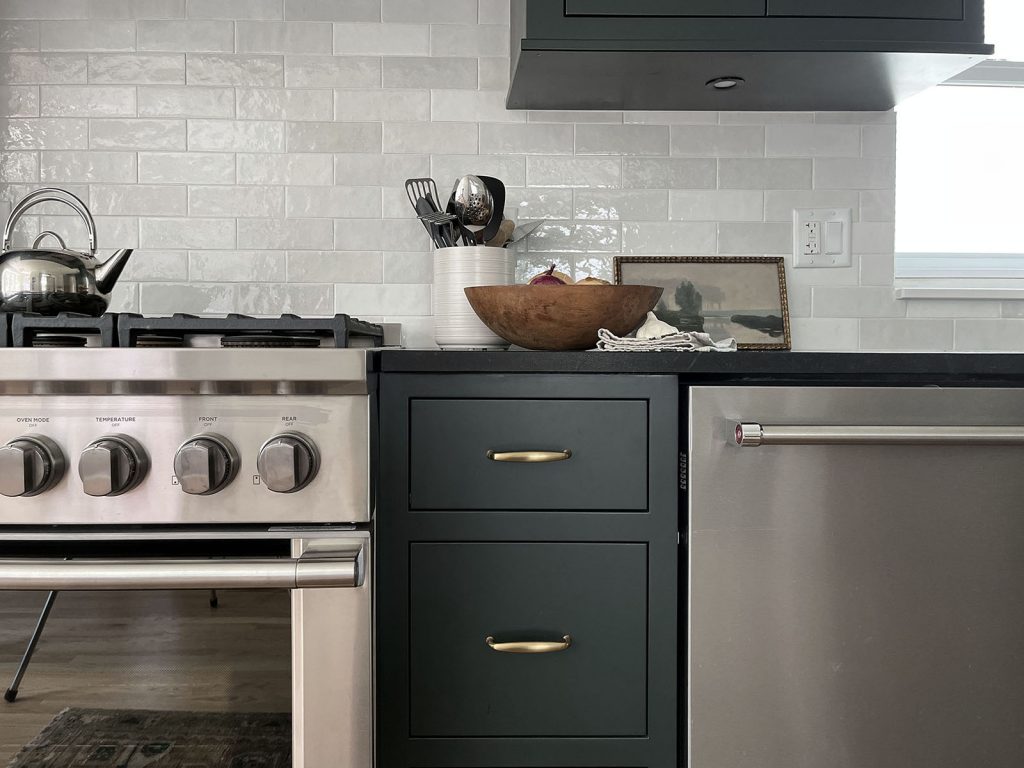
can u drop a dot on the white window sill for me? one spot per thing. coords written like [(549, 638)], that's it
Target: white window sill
[(978, 288)]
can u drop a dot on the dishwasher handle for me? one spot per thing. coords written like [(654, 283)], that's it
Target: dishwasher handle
[(145, 574), (753, 434)]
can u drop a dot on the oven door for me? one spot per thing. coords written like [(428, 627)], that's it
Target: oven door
[(856, 577), (327, 572)]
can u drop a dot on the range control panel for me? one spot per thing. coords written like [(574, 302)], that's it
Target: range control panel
[(184, 459)]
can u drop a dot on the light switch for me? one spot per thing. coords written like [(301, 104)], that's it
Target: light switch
[(822, 237)]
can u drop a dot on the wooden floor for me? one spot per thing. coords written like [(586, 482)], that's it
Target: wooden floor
[(143, 650)]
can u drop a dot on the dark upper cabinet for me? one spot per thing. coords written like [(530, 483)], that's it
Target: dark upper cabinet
[(784, 54)]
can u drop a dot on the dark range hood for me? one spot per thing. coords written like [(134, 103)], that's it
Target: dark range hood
[(565, 58)]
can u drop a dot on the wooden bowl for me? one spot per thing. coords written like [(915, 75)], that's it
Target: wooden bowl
[(560, 317)]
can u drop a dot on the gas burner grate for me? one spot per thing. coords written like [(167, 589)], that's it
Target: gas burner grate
[(340, 329), (29, 329), (57, 340)]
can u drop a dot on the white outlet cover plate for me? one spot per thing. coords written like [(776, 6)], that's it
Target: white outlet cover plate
[(834, 242)]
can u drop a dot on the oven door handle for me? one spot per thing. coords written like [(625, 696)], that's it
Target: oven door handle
[(753, 434), (123, 574)]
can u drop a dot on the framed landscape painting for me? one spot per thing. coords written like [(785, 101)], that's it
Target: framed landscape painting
[(743, 297)]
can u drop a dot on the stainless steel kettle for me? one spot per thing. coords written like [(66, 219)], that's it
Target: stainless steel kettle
[(54, 280)]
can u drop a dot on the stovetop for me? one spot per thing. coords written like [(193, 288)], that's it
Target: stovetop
[(232, 331)]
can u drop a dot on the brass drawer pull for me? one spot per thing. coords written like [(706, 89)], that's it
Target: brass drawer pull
[(528, 646), (529, 457)]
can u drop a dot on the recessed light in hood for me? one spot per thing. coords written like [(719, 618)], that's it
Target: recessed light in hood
[(724, 83)]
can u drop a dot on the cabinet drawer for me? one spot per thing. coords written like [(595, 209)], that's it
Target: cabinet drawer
[(939, 10), (455, 446), (463, 593)]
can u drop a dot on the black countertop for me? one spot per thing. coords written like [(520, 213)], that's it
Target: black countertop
[(923, 366)]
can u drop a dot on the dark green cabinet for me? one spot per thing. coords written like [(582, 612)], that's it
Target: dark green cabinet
[(784, 54), (592, 684), (575, 560)]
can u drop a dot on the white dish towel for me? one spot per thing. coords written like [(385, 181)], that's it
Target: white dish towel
[(657, 336)]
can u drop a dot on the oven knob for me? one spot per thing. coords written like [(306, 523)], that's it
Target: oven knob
[(30, 465), (112, 465), (288, 462), (205, 464)]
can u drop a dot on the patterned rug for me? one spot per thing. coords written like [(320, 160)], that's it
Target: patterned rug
[(116, 738)]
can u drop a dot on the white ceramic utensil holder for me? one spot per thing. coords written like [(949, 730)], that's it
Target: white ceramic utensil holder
[(456, 325)]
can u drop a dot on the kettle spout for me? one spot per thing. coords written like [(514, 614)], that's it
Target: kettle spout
[(108, 272)]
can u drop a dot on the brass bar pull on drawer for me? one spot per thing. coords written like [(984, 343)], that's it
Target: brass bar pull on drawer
[(529, 457), (530, 646)]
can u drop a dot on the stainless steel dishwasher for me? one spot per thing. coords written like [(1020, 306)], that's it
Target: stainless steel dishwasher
[(856, 577)]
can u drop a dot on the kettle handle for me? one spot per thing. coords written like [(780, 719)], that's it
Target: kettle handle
[(51, 195)]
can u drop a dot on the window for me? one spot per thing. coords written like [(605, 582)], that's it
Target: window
[(960, 166)]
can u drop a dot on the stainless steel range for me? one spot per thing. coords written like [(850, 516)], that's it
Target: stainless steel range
[(220, 431)]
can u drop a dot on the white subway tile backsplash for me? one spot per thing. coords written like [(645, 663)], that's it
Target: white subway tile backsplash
[(873, 238), (696, 239), (621, 204), (60, 167), (408, 267), (285, 169), (237, 266), (943, 308), (675, 173), (622, 140), (855, 301), (236, 135), (87, 101), (335, 267), (103, 35), (764, 174), (829, 334), (332, 71), (334, 137), (186, 36), (138, 200), (283, 104), (19, 100), (19, 36), (469, 40), (533, 203), (137, 134), (466, 106), (332, 10), (716, 205), (186, 168), (494, 74), (878, 205), (779, 204), (236, 202), (379, 235), (50, 9), (372, 169), (863, 173), (235, 9), (352, 105), (573, 172), (138, 68), (284, 234), (765, 118), (906, 334), (19, 167), (189, 234), (42, 68), (812, 140), (428, 72), (428, 137), (855, 117), (333, 202), (493, 12), (561, 237), (429, 11), (294, 298), (193, 298), (137, 9), (529, 138), (44, 133), (257, 71), (156, 266), (304, 37), (754, 238), (381, 39), (376, 298), (718, 140), (680, 117), (988, 335), (879, 140), (445, 169), (191, 101)]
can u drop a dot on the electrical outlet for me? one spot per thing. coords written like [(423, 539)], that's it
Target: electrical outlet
[(822, 237)]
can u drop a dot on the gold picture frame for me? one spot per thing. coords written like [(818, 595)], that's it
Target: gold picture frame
[(693, 281)]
